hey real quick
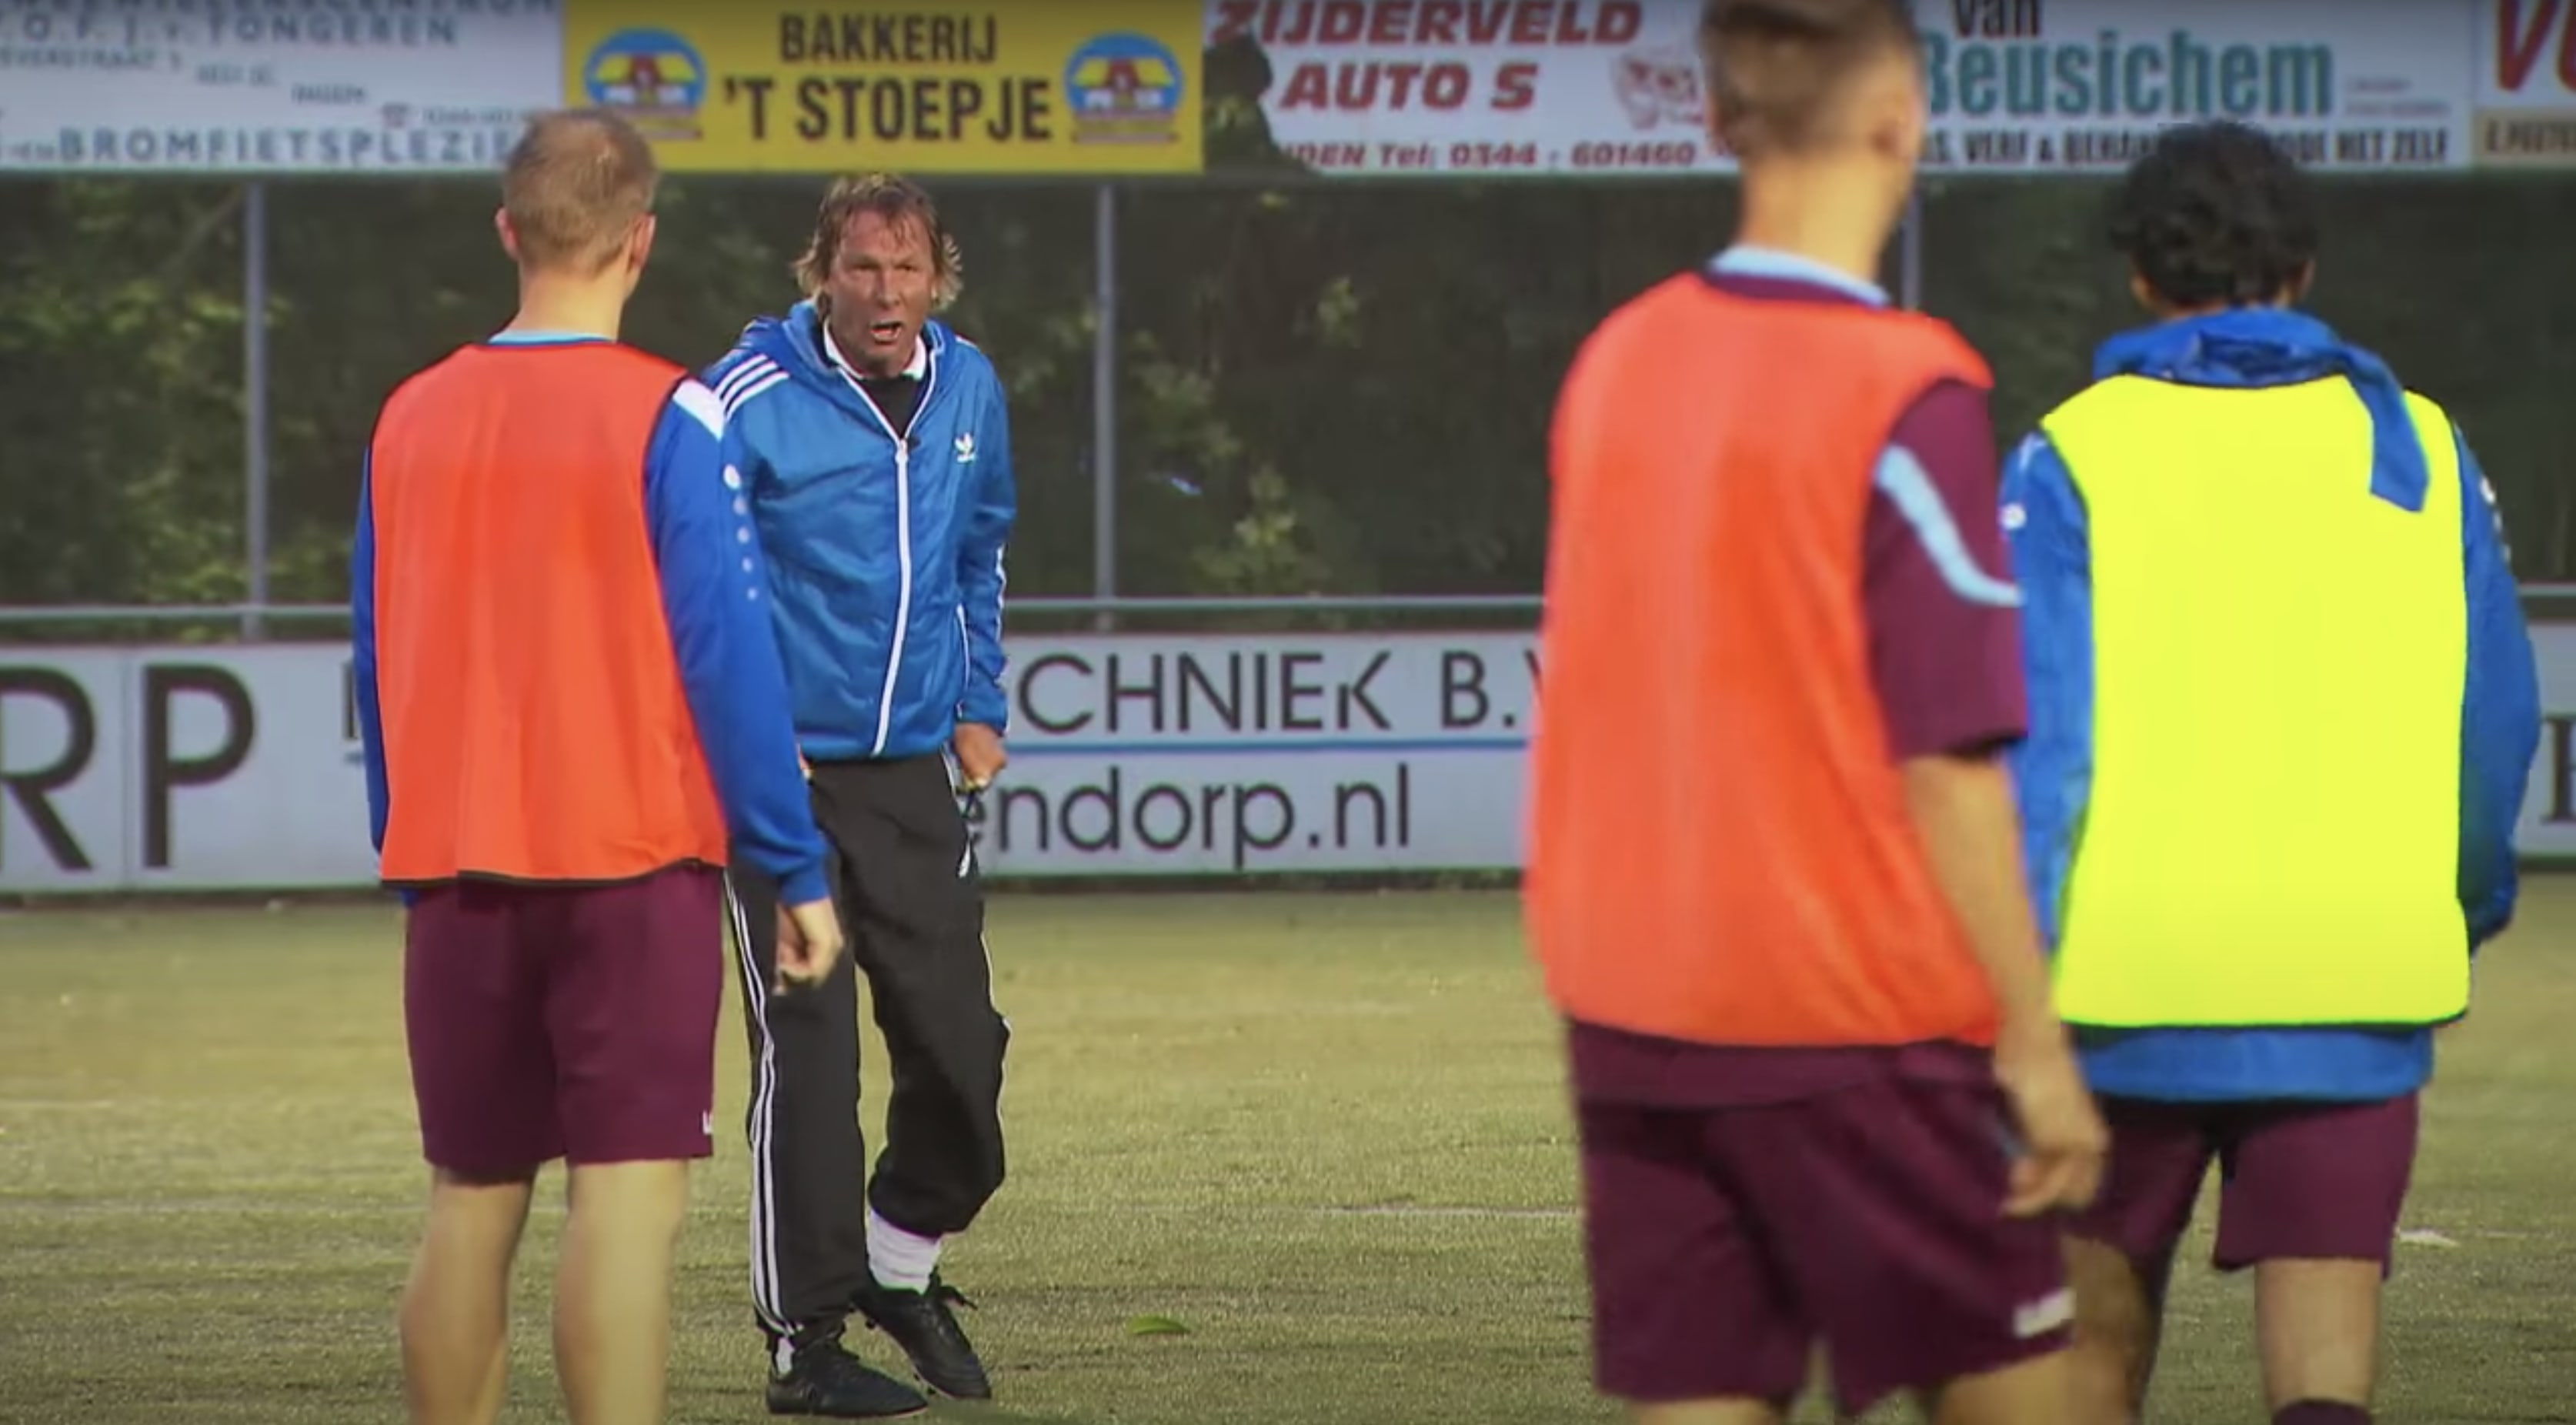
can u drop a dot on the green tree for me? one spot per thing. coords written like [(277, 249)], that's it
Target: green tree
[(120, 393), (1325, 384)]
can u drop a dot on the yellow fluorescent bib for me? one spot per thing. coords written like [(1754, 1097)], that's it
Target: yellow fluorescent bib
[(2272, 836)]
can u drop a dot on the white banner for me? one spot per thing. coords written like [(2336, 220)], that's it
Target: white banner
[(209, 86), (225, 768), (209, 768), (2548, 825), (2526, 83), (1285, 753), (1394, 87), (180, 768)]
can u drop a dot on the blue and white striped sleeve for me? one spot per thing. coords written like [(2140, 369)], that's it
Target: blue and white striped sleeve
[(715, 598), (993, 503), (362, 655), (1937, 591)]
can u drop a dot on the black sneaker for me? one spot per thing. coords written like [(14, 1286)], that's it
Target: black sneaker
[(822, 1378), (921, 1323)]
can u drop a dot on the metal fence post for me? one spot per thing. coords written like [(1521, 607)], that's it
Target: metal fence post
[(255, 407), (1104, 400)]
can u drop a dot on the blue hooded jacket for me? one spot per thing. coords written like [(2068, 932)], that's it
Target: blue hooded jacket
[(884, 555), (2044, 518)]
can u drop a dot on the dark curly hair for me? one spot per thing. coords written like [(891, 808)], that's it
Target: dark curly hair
[(2216, 214)]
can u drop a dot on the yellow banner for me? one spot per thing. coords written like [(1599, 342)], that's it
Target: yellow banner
[(935, 86)]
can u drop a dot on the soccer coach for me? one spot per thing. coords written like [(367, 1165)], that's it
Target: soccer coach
[(874, 453)]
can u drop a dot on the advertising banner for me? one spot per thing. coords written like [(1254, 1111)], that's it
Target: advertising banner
[(1329, 752), (2074, 86), (233, 86), (1019, 87), (1501, 87), (1484, 87), (2526, 84), (180, 768), (239, 768), (213, 768)]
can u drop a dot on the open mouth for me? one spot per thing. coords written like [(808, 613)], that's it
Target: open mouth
[(885, 331)]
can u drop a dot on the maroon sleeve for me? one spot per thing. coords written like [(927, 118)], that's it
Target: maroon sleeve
[(1937, 584)]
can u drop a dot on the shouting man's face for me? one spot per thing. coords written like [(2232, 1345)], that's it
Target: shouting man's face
[(879, 290)]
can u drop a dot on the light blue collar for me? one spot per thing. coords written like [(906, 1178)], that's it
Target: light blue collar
[(536, 338), (1777, 266)]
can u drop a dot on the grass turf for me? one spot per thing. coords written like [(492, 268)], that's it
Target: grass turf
[(1324, 1133)]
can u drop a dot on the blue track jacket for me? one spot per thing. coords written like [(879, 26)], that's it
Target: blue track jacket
[(885, 556), (2500, 730)]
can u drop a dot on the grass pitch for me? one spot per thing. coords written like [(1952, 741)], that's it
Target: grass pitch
[(1323, 1133)]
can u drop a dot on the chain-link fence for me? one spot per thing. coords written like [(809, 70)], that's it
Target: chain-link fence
[(1319, 389)]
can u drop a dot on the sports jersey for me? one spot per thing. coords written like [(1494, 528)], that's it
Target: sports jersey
[(1720, 852), (564, 665), (2283, 712)]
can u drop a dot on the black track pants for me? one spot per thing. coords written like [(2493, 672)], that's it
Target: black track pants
[(911, 900)]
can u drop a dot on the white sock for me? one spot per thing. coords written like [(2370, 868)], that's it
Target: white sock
[(898, 1259)]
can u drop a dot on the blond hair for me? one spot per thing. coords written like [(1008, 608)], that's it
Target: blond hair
[(896, 200), (576, 184), (1775, 67)]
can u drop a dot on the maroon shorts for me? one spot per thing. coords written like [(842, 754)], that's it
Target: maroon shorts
[(1725, 1243), (2297, 1181), (574, 1022)]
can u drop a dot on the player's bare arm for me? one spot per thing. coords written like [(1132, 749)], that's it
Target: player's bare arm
[(1963, 806)]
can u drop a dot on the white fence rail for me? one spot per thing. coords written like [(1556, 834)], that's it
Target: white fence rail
[(43, 615)]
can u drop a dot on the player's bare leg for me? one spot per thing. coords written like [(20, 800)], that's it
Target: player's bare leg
[(1708, 1412), (2032, 1392), (2317, 1323), (2119, 1314), (613, 1290), (456, 1306)]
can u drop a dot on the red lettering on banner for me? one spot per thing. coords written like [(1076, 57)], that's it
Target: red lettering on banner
[(1355, 84), (1399, 86), (2519, 46), (1309, 87), (1295, 23), (1516, 85), (1448, 86)]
